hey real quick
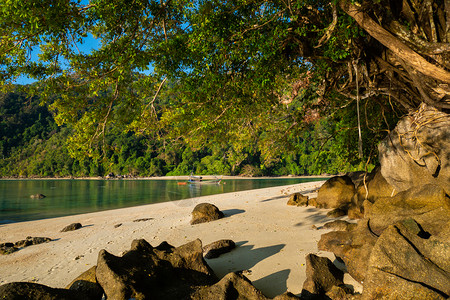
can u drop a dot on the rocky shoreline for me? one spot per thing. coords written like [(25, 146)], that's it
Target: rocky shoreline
[(271, 238), (389, 230)]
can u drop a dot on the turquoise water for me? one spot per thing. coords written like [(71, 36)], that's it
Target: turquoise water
[(70, 197)]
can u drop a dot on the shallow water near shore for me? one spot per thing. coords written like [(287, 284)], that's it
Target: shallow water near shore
[(70, 197)]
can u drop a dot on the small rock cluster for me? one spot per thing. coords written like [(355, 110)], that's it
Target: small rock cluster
[(146, 272), (8, 248)]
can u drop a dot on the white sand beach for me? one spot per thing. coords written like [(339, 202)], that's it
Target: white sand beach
[(272, 238)]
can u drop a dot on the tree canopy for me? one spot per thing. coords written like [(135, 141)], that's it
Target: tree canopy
[(225, 70)]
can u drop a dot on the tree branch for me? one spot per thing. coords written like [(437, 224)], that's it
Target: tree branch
[(419, 45), (418, 84), (256, 26), (330, 28), (392, 43)]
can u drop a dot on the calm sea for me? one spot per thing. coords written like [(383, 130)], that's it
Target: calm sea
[(70, 197)]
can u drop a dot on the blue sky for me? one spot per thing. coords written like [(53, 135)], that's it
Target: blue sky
[(89, 43)]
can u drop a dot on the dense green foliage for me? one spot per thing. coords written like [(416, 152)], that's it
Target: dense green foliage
[(34, 146), (23, 121), (257, 87)]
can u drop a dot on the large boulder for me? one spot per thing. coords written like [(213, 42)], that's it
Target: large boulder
[(321, 276), (417, 151), (146, 272), (427, 204), (205, 212), (407, 264), (336, 192), (286, 296), (373, 187), (353, 247)]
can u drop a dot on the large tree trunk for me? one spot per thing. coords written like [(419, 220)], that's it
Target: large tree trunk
[(395, 45), (421, 72)]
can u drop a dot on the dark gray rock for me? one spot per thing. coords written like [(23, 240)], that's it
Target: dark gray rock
[(355, 212), (8, 248), (428, 205), (218, 248), (205, 212), (146, 272), (166, 247), (32, 241), (336, 192), (72, 227), (312, 202), (340, 293), (33, 291), (417, 151)]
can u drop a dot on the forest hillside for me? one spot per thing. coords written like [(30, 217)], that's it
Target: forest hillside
[(33, 145)]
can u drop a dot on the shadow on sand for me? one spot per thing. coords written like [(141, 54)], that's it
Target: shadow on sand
[(245, 257), (274, 198), (275, 284), (231, 212), (317, 217)]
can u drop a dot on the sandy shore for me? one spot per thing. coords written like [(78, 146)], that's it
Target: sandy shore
[(272, 237)]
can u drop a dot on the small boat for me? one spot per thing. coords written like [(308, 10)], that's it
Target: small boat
[(199, 180)]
